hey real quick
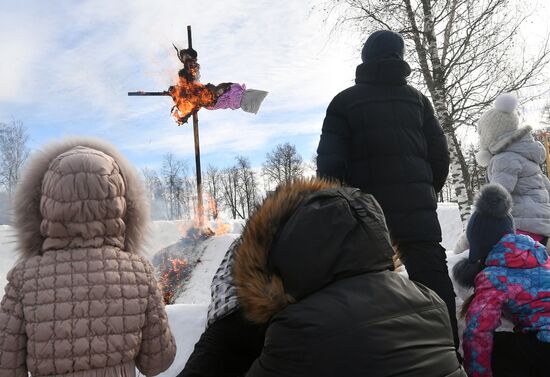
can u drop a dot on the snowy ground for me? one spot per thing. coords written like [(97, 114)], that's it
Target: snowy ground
[(188, 316)]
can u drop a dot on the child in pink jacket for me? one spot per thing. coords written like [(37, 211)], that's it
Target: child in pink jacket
[(511, 277)]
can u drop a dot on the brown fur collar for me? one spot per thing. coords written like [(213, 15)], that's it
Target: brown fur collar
[(26, 206), (261, 293)]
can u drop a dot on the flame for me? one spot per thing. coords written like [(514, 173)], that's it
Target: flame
[(222, 228), (172, 278), (189, 97), (212, 206)]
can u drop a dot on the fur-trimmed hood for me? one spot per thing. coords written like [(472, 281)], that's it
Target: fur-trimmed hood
[(305, 236), (79, 192), (501, 144)]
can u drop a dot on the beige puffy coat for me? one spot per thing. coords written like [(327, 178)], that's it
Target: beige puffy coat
[(82, 301)]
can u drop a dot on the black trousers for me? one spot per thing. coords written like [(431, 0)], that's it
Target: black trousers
[(426, 263), (519, 355)]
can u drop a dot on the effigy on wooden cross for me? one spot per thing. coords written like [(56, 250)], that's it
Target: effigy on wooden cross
[(190, 95)]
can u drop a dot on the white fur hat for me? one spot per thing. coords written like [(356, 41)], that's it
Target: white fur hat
[(494, 123)]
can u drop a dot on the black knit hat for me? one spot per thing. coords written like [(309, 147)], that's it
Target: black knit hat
[(383, 44), (490, 221)]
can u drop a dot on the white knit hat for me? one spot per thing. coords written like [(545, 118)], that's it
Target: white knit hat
[(496, 126)]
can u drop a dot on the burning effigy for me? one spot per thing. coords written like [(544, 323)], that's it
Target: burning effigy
[(190, 95)]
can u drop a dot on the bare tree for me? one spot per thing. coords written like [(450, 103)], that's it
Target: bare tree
[(13, 153), (545, 115), (239, 187), (477, 173), (464, 52), (214, 189), (176, 187), (155, 193), (230, 191), (248, 187), (283, 164)]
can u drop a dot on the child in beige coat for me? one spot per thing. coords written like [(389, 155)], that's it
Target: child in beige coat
[(82, 301)]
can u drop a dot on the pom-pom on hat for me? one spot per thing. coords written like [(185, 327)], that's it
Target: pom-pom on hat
[(490, 221), (497, 126)]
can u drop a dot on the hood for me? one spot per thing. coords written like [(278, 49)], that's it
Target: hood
[(304, 237), (517, 251), (79, 192), (383, 71), (529, 148), (506, 141)]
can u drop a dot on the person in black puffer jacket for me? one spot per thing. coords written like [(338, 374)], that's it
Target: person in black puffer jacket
[(381, 135), (312, 292)]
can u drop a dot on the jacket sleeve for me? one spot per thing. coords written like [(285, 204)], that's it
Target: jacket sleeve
[(226, 348), (483, 317), (283, 353), (158, 348), (438, 151), (333, 149), (505, 171), (13, 338)]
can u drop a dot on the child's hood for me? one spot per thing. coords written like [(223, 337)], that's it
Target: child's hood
[(520, 141), (529, 148), (518, 251), (79, 192)]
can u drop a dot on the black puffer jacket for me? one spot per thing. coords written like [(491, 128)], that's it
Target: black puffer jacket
[(381, 135), (315, 263)]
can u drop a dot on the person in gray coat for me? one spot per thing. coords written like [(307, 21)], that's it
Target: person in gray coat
[(512, 158)]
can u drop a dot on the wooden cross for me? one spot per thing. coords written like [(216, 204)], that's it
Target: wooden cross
[(189, 96)]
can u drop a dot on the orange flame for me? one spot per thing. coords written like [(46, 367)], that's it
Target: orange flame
[(189, 97), (172, 278), (222, 228)]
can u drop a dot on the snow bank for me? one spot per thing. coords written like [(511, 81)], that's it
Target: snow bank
[(451, 225)]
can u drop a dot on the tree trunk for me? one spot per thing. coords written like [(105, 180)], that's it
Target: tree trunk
[(458, 169), (459, 179)]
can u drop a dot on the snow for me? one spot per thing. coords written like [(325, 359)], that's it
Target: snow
[(187, 324), (198, 288), (188, 316), (451, 225)]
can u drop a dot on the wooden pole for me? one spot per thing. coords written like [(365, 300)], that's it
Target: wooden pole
[(200, 207), (545, 134)]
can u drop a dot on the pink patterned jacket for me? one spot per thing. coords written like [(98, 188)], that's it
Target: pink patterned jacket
[(516, 281)]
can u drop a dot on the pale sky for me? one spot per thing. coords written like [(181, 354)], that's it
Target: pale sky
[(66, 68)]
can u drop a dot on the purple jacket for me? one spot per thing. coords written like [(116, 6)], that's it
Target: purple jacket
[(516, 281)]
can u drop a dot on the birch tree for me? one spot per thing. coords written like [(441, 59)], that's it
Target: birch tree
[(463, 52)]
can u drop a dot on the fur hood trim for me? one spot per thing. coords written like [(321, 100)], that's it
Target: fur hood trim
[(484, 156), (261, 293), (27, 217)]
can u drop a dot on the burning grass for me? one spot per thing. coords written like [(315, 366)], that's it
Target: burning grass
[(176, 263)]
